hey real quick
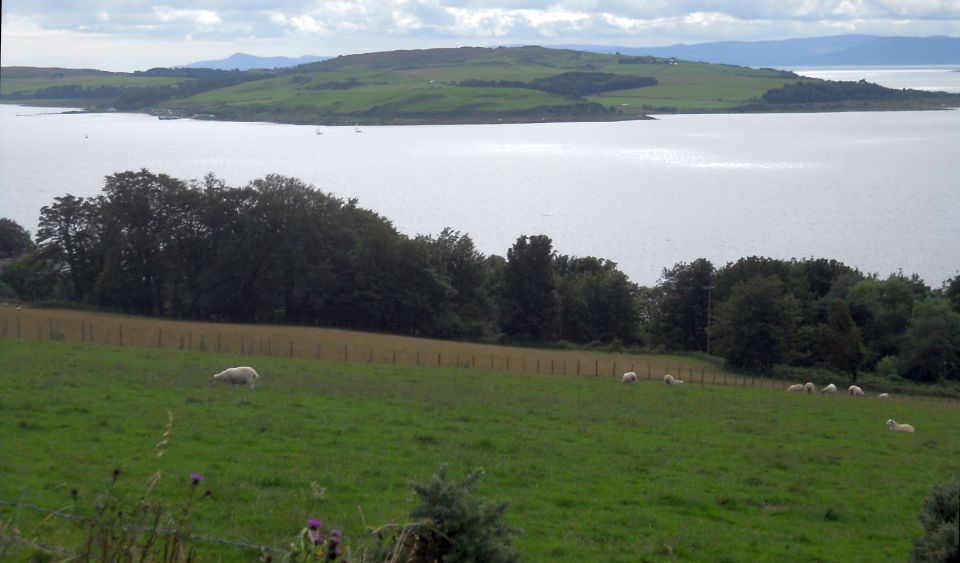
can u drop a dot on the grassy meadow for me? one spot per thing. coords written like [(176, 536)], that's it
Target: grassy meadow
[(593, 470)]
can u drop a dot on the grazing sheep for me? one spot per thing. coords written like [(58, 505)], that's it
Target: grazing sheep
[(829, 389), (894, 427), (809, 387), (799, 387), (856, 391), (669, 380), (237, 376), (883, 396), (629, 377)]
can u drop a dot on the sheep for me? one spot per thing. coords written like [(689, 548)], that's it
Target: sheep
[(883, 396), (855, 391), (894, 427), (829, 389), (809, 387), (799, 387), (629, 377), (669, 380), (237, 376)]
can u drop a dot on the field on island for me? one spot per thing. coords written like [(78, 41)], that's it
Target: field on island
[(592, 469)]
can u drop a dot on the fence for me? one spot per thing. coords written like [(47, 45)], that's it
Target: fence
[(354, 347), (73, 517)]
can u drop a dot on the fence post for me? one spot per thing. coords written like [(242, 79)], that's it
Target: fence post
[(121, 334), (551, 365), (578, 367), (345, 352), (648, 372), (18, 326), (508, 363), (83, 331), (596, 368), (189, 341), (219, 342), (418, 357), (394, 355), (538, 364), (701, 376)]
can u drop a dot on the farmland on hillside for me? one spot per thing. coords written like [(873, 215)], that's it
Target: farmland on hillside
[(592, 469)]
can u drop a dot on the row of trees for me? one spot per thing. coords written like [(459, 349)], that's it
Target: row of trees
[(280, 251)]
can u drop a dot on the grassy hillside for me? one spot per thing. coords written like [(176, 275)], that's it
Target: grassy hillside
[(441, 86), (593, 470)]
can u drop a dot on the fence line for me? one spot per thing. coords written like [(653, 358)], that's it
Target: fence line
[(160, 334), (195, 537)]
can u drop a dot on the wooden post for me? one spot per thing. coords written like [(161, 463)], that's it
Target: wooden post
[(83, 330), (92, 338), (219, 342), (121, 335), (596, 368), (394, 355), (50, 328), (648, 372), (551, 365), (418, 357), (523, 364), (189, 341), (439, 359), (291, 348), (578, 367), (18, 326), (508, 363), (538, 364), (345, 352)]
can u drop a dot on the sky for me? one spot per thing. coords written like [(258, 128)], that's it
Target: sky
[(126, 35)]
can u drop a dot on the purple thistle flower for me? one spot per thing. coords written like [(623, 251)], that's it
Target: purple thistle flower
[(195, 478), (314, 523), (317, 537)]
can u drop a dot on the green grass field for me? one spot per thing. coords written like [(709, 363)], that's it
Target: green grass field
[(593, 470)]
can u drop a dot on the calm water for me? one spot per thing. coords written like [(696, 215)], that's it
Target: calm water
[(879, 191), (944, 78)]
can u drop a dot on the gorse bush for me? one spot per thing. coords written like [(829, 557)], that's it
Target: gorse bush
[(940, 517), (451, 526)]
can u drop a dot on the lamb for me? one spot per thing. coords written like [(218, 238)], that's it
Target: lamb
[(809, 387), (855, 391), (829, 389), (894, 427), (799, 387), (669, 380), (883, 396), (629, 377), (237, 376)]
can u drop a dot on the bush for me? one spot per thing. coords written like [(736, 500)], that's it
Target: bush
[(451, 527), (940, 517)]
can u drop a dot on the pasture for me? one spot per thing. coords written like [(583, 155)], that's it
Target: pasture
[(592, 469)]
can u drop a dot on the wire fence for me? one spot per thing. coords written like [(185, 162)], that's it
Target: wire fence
[(369, 348), (74, 517)]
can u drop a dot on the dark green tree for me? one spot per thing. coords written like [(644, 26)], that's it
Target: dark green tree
[(70, 235), (14, 240), (882, 310), (599, 303), (530, 303), (951, 290), (680, 321), (930, 351), (756, 324), (32, 278)]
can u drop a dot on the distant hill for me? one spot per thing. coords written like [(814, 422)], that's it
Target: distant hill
[(243, 61), (462, 85), (814, 51)]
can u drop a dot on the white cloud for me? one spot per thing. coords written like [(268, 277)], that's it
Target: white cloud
[(202, 19)]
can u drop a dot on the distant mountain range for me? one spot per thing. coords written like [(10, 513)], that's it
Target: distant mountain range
[(838, 50), (243, 61)]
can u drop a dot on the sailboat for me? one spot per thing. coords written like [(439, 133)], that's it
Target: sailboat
[(356, 128), (319, 132)]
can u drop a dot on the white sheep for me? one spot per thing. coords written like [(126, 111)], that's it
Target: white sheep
[(799, 387), (669, 380), (237, 376), (629, 377), (809, 387), (855, 391), (894, 427), (883, 396), (829, 389)]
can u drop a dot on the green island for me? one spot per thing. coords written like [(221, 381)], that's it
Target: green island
[(456, 85)]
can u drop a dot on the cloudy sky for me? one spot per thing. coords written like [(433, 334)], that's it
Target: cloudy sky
[(139, 34)]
